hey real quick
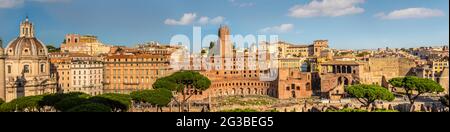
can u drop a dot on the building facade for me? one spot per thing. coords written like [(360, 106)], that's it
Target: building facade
[(293, 63), (292, 83), (126, 72), (438, 65), (85, 44), (288, 50), (76, 72)]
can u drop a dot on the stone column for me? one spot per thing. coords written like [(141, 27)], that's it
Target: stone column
[(334, 69), (2, 72), (344, 69)]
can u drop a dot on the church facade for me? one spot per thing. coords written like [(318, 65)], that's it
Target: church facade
[(26, 66)]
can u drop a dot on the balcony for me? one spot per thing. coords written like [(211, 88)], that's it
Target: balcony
[(129, 83), (87, 86)]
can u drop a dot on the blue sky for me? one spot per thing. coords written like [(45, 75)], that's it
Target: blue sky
[(354, 24)]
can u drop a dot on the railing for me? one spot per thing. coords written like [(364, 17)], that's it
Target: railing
[(128, 83)]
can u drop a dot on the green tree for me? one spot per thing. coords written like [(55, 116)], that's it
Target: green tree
[(167, 83), (185, 82), (1, 101), (343, 53), (211, 45), (90, 107), (52, 48), (413, 85), (117, 102), (362, 54), (359, 110), (368, 94), (8, 107), (444, 100), (69, 103), (203, 52), (385, 111), (346, 110), (51, 99), (240, 110), (23, 104), (158, 97)]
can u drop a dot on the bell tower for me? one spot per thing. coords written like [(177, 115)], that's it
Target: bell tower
[(26, 29)]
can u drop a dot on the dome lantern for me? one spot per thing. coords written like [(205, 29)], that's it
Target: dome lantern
[(26, 44)]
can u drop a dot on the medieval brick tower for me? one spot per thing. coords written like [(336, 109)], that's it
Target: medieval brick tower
[(226, 47), (318, 47)]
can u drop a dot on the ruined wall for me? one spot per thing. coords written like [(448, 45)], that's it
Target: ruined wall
[(443, 80), (380, 70), (330, 83), (294, 84)]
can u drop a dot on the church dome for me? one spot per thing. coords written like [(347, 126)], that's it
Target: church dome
[(26, 44), (23, 46)]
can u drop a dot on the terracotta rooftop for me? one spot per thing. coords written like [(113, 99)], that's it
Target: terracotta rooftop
[(79, 55), (341, 63), (133, 56), (298, 46), (292, 59), (62, 54)]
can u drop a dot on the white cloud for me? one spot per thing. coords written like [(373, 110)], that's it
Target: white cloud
[(203, 20), (206, 20), (16, 3), (188, 18), (333, 8), (411, 13), (191, 18), (10, 3), (241, 4), (283, 28), (50, 1), (217, 20)]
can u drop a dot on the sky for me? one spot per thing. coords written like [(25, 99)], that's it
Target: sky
[(347, 24)]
